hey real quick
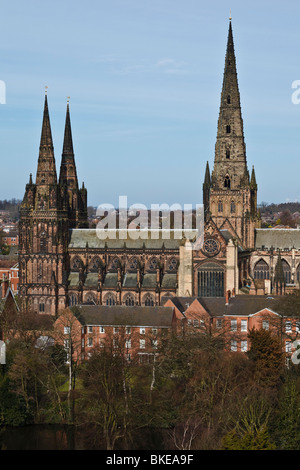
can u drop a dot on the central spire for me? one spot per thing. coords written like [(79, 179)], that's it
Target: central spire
[(230, 166), (229, 198)]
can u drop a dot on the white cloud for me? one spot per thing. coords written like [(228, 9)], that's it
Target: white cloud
[(169, 65)]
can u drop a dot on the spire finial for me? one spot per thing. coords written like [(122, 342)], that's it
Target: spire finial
[(230, 17), (68, 99), (46, 88)]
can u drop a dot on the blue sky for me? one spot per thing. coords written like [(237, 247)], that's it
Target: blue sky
[(145, 79)]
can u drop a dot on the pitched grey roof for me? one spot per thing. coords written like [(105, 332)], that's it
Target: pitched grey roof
[(130, 280), (238, 305), (80, 237), (124, 316), (250, 304), (111, 280), (91, 280), (73, 279), (215, 306), (280, 238), (182, 303), (149, 280), (169, 281)]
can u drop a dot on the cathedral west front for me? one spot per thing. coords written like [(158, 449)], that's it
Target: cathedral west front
[(62, 262)]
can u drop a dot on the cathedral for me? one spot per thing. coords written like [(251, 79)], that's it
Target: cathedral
[(62, 262)]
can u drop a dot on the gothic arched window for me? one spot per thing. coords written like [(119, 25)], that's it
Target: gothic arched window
[(220, 206), (172, 265), (40, 274), (232, 207), (133, 264), (115, 264), (76, 264), (228, 129), (228, 99), (90, 298), (110, 299), (149, 300), (286, 271), (43, 243), (298, 273), (211, 280), (228, 154), (129, 300), (153, 264), (95, 265), (73, 300), (227, 182), (261, 270)]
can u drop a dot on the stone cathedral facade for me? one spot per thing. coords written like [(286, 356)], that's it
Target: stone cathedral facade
[(63, 262)]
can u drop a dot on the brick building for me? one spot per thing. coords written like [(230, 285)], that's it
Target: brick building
[(135, 331), (11, 238), (9, 276)]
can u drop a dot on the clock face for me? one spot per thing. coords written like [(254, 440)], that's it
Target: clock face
[(211, 247)]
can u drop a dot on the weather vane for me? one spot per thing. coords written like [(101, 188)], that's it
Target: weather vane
[(46, 88)]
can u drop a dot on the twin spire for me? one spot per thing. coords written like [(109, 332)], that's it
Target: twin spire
[(46, 170)]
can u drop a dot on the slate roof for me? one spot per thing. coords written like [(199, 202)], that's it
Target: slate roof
[(9, 301), (120, 315), (169, 281), (281, 238), (238, 305), (215, 306), (80, 237), (149, 280), (111, 280), (130, 280), (182, 303), (250, 304), (91, 280), (73, 279)]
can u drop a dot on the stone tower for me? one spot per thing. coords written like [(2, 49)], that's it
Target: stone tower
[(229, 196), (48, 210), (74, 199)]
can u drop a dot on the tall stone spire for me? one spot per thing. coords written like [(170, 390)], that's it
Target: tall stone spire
[(230, 166), (68, 174), (232, 201), (74, 199), (46, 170), (253, 183), (206, 192)]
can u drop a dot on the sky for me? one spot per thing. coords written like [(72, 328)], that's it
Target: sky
[(144, 79)]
